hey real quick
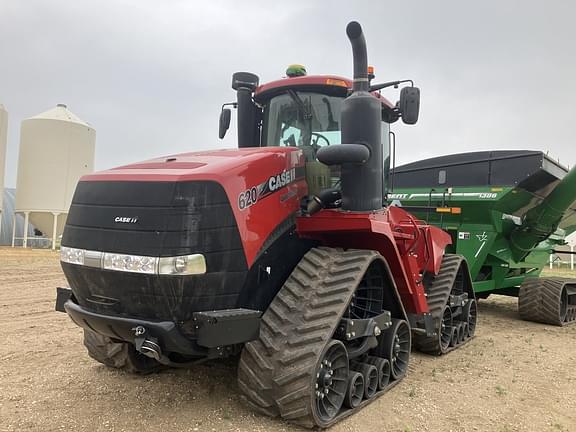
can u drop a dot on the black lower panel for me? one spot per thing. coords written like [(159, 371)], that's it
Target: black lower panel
[(173, 298)]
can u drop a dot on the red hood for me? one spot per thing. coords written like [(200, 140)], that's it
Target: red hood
[(240, 172), (205, 165)]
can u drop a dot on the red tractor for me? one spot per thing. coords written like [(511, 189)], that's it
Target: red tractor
[(283, 251)]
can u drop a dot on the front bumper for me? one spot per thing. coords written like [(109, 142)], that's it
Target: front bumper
[(214, 331)]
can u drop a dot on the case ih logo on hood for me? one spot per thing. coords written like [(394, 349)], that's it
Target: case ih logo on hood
[(124, 219), (250, 196)]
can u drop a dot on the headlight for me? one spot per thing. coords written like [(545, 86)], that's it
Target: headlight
[(182, 265), (71, 255), (177, 265)]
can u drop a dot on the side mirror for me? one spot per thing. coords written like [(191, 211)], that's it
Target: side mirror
[(409, 104), (224, 123)]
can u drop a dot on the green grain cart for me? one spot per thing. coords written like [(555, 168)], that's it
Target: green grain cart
[(506, 211)]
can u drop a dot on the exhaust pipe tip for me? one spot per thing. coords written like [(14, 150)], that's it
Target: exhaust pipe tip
[(354, 29), (359, 56)]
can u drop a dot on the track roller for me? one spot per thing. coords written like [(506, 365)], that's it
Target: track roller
[(355, 390), (454, 337), (370, 374), (462, 332), (383, 367), (548, 300)]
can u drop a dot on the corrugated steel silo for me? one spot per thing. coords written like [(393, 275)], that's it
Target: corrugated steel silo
[(56, 149), (3, 135)]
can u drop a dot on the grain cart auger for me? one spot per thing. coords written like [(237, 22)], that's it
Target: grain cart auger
[(513, 209), (281, 250)]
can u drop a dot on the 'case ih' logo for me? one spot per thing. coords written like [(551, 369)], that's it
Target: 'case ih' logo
[(123, 219)]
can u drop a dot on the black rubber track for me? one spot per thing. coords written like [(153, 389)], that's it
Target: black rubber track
[(118, 355), (438, 290), (276, 373), (540, 300)]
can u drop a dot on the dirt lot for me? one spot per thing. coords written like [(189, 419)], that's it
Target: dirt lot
[(514, 376)]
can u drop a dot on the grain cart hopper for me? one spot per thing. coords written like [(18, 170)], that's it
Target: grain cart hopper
[(510, 209), (281, 250)]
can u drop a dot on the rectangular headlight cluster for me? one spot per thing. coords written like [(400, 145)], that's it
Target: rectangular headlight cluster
[(130, 263), (176, 265)]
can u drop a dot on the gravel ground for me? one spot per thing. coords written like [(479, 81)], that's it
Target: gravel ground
[(514, 376)]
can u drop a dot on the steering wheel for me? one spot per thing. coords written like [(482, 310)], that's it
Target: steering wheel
[(319, 136)]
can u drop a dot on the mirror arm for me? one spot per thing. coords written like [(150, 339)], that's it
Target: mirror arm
[(232, 104), (394, 84)]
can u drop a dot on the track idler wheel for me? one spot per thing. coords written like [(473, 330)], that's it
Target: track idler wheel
[(355, 390), (446, 328), (396, 346), (383, 367), (331, 379)]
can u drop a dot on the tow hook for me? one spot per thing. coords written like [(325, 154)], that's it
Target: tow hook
[(146, 346)]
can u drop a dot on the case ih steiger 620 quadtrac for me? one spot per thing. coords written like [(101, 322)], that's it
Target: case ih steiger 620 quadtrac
[(280, 250), (516, 207)]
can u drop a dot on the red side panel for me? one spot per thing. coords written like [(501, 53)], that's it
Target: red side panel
[(409, 246)]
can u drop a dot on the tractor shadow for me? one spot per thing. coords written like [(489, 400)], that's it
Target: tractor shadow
[(499, 307)]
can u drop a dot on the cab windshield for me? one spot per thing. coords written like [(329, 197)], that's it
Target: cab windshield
[(309, 121), (302, 119)]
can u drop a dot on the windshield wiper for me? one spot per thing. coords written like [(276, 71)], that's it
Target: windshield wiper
[(307, 113)]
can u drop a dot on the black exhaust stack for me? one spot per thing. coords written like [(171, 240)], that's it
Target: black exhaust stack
[(361, 177), (245, 83)]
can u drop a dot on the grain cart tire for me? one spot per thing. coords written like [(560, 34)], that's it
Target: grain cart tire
[(546, 300), (118, 355)]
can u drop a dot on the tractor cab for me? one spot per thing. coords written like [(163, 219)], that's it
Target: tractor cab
[(303, 112)]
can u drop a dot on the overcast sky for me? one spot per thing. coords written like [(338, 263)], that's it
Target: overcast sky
[(150, 76)]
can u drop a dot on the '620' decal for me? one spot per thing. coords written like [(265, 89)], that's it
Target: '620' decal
[(249, 197)]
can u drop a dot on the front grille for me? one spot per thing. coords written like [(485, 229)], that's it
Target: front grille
[(172, 219)]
